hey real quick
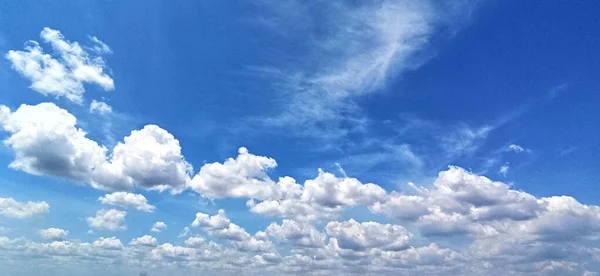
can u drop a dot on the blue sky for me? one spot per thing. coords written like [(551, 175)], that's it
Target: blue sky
[(442, 127)]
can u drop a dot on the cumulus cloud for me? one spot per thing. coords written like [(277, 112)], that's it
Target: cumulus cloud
[(145, 240), (101, 108), (158, 226), (108, 220), (128, 200), (149, 158), (322, 197), (246, 177), (260, 242), (296, 233), (367, 235), (194, 242), (55, 234), (64, 73), (400, 206), (111, 243), (15, 209), (220, 226)]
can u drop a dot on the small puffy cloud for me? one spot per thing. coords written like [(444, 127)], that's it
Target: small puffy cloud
[(149, 158), (14, 209), (101, 108), (145, 240), (516, 148), (245, 177), (108, 220), (127, 200), (218, 221), (158, 226), (504, 169), (64, 73), (219, 225), (296, 233), (184, 233), (99, 46), (111, 243), (55, 234), (367, 235)]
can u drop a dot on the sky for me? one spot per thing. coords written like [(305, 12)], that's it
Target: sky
[(293, 137)]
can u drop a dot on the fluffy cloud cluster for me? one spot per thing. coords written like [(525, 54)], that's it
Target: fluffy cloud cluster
[(497, 219), (63, 74), (149, 158), (540, 246), (14, 209), (246, 177)]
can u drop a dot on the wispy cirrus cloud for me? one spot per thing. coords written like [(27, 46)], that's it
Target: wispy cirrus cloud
[(354, 48)]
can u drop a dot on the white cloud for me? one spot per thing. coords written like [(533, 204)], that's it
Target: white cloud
[(357, 236), (516, 148), (55, 234), (149, 158), (14, 209), (260, 242), (108, 220), (331, 191), (296, 233), (100, 46), (66, 151), (111, 243), (184, 233), (158, 226), (171, 252), (101, 108), (218, 221), (246, 177), (400, 206), (64, 74), (128, 200), (220, 226), (194, 242), (145, 240), (420, 256), (324, 196), (504, 169)]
